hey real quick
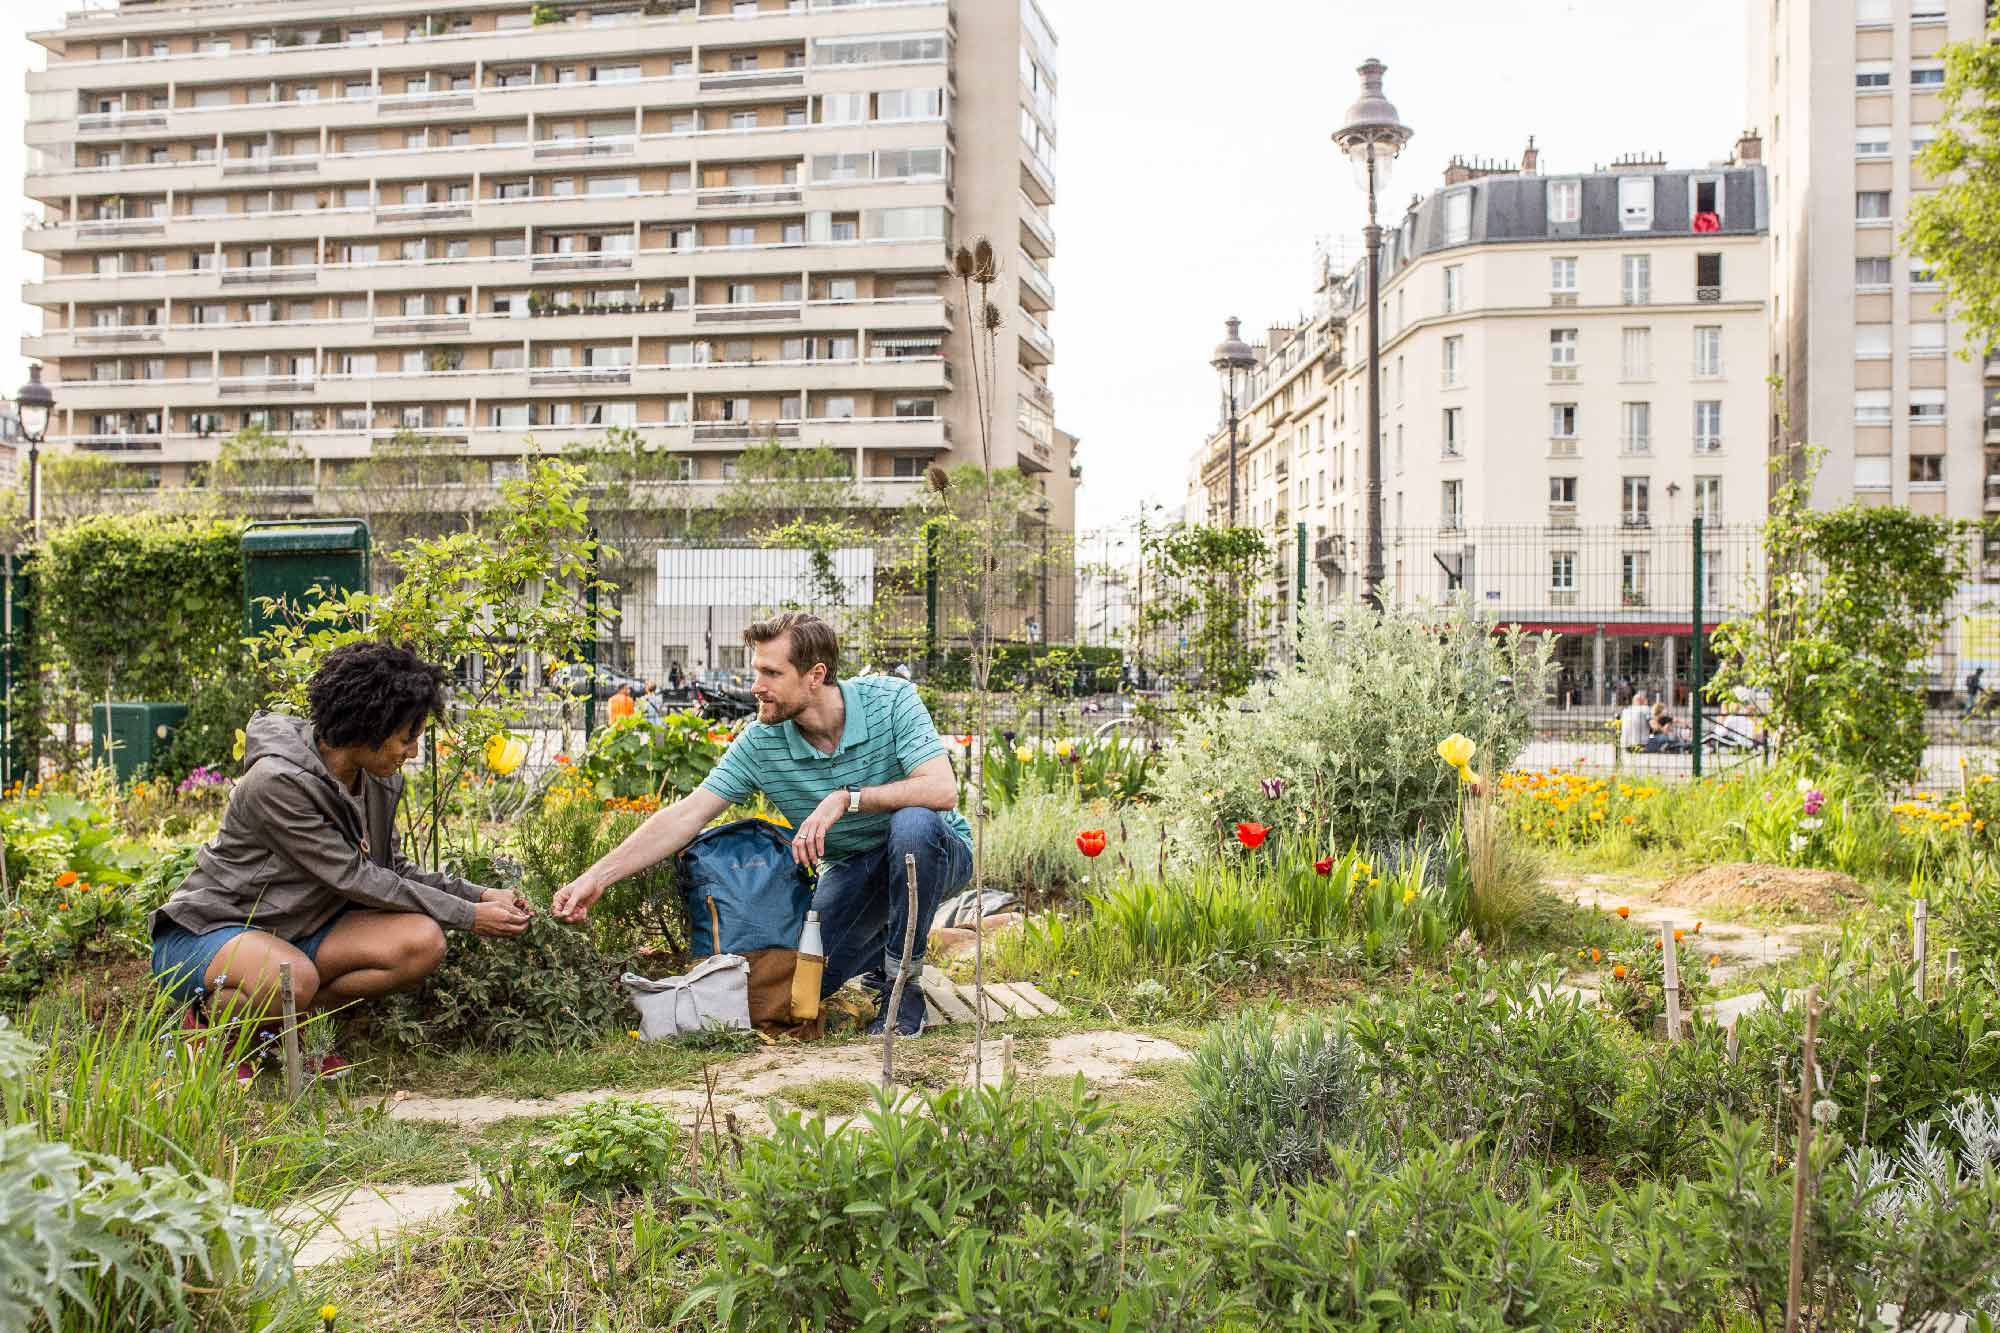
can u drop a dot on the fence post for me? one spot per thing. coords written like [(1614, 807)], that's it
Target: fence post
[(930, 601), (1299, 599), (590, 645), (1697, 665)]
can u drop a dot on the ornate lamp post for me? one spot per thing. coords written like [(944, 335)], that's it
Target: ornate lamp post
[(1371, 138), (1233, 360), (34, 403)]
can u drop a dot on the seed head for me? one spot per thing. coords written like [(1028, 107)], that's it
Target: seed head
[(989, 318), (961, 263), (939, 479), (985, 268)]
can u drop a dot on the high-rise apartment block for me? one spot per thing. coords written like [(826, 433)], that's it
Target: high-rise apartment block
[(1845, 94), (715, 222), (1572, 371)]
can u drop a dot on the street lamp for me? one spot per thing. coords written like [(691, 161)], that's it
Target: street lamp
[(34, 403), (1233, 359), (1372, 138)]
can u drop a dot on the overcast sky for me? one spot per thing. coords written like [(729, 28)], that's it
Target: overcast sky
[(1195, 167)]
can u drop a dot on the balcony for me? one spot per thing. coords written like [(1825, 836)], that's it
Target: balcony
[(118, 122), (1038, 178), (744, 432), (746, 80), (422, 326), (1034, 455), (271, 275), (1035, 337), (1708, 295), (118, 444), (762, 312), (89, 228), (592, 261), (1327, 554), (296, 165), (619, 145), (450, 210), (231, 386), (542, 377), (1036, 229), (119, 333), (748, 196), (1993, 365), (1635, 519), (443, 100), (1036, 283)]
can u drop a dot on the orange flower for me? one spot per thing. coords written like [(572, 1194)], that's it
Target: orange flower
[(1090, 842), (1596, 956), (1251, 835), (1619, 971), (1679, 934), (1697, 927), (1714, 958), (67, 878), (562, 759), (1657, 944), (1624, 912)]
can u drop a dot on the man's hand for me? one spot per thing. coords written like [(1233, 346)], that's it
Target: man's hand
[(809, 842), (507, 896), (572, 901), (494, 917)]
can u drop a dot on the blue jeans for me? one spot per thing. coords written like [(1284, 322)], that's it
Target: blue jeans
[(863, 902)]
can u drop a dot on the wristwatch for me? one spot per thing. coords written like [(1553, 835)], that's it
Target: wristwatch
[(854, 800)]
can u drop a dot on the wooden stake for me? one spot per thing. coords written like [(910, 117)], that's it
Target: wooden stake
[(1951, 967), (902, 971), (1671, 961), (294, 1066), (1795, 1293), (1007, 1056), (1920, 938)]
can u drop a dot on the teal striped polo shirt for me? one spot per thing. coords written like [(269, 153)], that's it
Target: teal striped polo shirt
[(888, 733)]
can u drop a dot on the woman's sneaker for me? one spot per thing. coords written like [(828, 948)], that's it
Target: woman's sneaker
[(331, 1065)]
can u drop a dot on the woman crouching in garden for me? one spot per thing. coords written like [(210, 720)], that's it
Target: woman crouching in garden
[(306, 868)]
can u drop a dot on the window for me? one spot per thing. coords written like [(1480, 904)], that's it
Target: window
[(1451, 505), (837, 409), (1873, 75), (1454, 432), (843, 108), (1562, 281), (909, 164), (1872, 272), (742, 234), (1871, 342), (1458, 217), (1707, 351), (1871, 473), (1635, 427), (1565, 201), (743, 120), (1926, 406), (1871, 11), (1454, 287), (1927, 76), (1708, 426), (1921, 137), (1635, 354), (1562, 492), (1637, 287), (1635, 203), (1632, 574), (1708, 499), (1636, 501), (1562, 572), (1927, 469), (1927, 338), (1871, 407), (1871, 141), (1921, 276), (1871, 206), (921, 408), (1562, 354), (1562, 421), (1454, 362)]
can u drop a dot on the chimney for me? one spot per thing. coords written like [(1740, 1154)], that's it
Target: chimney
[(1750, 147), (1460, 170), (1531, 157), (1456, 172)]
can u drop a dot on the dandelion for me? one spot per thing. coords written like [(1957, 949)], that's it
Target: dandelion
[(1409, 896), (633, 1034), (327, 1313)]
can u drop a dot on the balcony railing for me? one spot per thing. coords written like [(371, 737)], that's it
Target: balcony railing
[(542, 376), (421, 326), (271, 275), (619, 145), (447, 210), (238, 385), (119, 333), (583, 262), (294, 165), (729, 81), (767, 312), (444, 100), (102, 122), (747, 196), (719, 432), (122, 227)]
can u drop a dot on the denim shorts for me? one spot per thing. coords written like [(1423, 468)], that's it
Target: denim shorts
[(181, 958)]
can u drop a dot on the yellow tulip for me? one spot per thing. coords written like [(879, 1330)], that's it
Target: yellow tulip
[(1062, 749), (1457, 750), (505, 754), (1024, 754)]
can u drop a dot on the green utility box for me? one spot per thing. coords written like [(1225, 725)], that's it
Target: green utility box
[(129, 737), (288, 559)]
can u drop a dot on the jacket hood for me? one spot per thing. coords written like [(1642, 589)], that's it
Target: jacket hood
[(278, 736)]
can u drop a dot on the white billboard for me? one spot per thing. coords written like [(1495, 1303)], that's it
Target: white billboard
[(733, 576)]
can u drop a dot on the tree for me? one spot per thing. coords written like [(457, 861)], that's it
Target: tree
[(1955, 230), (1198, 575), (778, 484), (255, 469), (414, 485)]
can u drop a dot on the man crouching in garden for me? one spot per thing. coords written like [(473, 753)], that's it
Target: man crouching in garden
[(859, 770), (307, 869)]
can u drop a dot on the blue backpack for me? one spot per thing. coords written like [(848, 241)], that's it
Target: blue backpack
[(744, 892)]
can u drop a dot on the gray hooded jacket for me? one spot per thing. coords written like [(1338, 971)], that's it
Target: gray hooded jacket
[(293, 849)]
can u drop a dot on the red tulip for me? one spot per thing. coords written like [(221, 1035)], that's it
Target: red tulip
[(1251, 835), (1090, 842), (1324, 865)]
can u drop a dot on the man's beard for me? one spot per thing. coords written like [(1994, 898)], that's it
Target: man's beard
[(778, 712)]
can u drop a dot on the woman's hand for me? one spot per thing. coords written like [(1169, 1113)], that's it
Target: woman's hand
[(498, 917), (507, 896)]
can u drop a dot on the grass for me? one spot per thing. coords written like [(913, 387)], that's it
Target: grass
[(615, 1062), (831, 1096)]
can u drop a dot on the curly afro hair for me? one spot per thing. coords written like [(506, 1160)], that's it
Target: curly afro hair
[(364, 693)]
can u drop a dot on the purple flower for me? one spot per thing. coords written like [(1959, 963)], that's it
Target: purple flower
[(1813, 801), (1273, 787)]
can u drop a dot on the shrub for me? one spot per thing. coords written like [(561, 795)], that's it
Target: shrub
[(1491, 1050), (1424, 1242), (1031, 844), (218, 705), (1640, 996), (929, 1215), (610, 1146), (636, 757), (1353, 730), (548, 986), (1276, 1103), (1678, 1094), (564, 836)]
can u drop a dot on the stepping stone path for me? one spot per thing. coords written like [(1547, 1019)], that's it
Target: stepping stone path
[(368, 1216), (1739, 947)]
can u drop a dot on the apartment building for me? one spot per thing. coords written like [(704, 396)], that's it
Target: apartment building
[(1572, 371), (487, 222), (1845, 94)]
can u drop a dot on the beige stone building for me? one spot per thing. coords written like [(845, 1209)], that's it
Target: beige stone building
[(1572, 371), (490, 221), (1845, 94)]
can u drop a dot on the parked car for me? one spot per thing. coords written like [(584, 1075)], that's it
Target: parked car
[(575, 680)]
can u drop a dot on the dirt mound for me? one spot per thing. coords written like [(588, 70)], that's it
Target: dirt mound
[(1813, 893)]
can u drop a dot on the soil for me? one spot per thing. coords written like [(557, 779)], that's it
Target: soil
[(1747, 886), (107, 989)]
